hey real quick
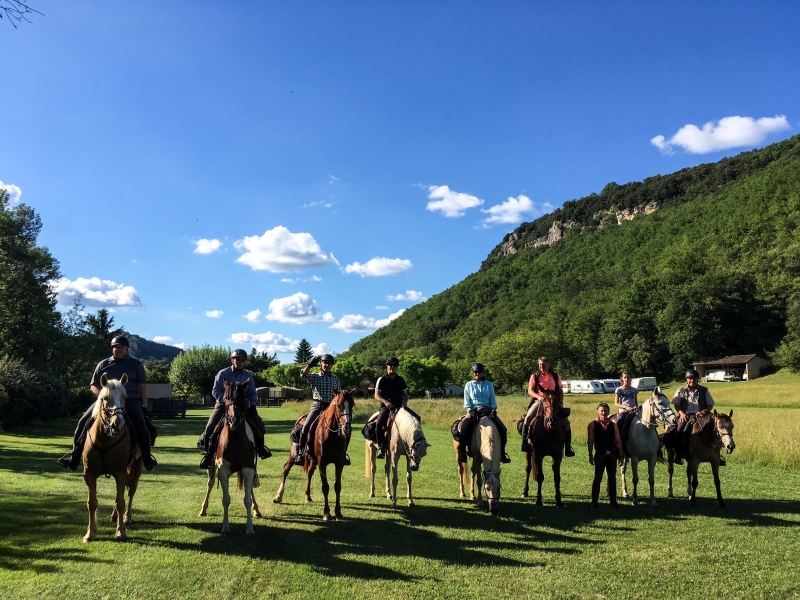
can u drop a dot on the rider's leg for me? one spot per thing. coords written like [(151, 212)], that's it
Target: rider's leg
[(568, 450), (70, 460), (611, 474), (383, 420), (313, 414), (680, 441), (465, 431), (133, 411), (216, 416), (263, 451), (532, 412), (599, 467), (503, 430)]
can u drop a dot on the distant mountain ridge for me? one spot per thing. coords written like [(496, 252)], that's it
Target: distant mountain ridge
[(144, 349)]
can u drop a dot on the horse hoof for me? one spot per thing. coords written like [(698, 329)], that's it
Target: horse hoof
[(326, 517), (251, 532), (339, 518), (462, 495), (257, 514), (559, 505), (202, 513), (411, 503), (121, 538), (372, 495), (653, 503), (88, 538), (635, 502), (539, 503), (277, 499), (394, 505)]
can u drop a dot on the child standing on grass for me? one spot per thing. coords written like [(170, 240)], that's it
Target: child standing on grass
[(603, 438)]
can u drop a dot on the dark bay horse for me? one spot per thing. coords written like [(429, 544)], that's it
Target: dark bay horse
[(329, 445), (547, 438), (107, 451), (236, 451), (710, 434)]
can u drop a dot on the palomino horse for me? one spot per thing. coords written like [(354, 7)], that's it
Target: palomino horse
[(406, 440), (547, 438), (710, 434), (332, 431), (485, 452), (107, 451), (236, 452), (643, 442)]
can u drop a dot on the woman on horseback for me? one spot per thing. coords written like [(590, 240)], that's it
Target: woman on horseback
[(627, 401), (392, 392), (479, 397)]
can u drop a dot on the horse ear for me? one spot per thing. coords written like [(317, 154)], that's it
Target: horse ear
[(715, 412), (353, 391), (124, 379), (225, 384), (730, 414), (103, 380), (427, 445), (246, 381)]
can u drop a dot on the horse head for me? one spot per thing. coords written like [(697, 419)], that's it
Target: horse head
[(549, 409), (344, 403), (724, 426), (235, 400), (111, 404), (660, 406)]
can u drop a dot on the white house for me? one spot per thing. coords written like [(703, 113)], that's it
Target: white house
[(452, 389)]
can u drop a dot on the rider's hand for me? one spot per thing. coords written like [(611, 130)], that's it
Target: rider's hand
[(683, 417), (591, 459)]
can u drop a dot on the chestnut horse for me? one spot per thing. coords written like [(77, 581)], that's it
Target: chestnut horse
[(107, 451), (710, 434), (547, 438), (485, 452), (329, 446), (236, 451)]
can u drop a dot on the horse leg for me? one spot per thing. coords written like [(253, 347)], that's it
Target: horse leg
[(256, 511), (279, 496), (670, 470), (387, 477), (691, 471), (224, 476), (91, 504), (715, 473), (308, 481), (557, 479), (134, 473), (395, 458), (120, 478), (651, 478), (337, 488), (539, 478), (635, 469), (372, 453), (476, 477), (462, 473), (248, 475), (212, 472), (323, 475), (408, 482), (622, 470)]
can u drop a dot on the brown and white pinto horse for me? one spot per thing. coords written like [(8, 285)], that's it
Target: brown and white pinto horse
[(107, 451), (710, 434), (547, 438), (329, 446), (236, 451)]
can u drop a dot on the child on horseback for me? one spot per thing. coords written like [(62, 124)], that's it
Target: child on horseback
[(392, 392), (603, 438), (479, 399), (627, 401), (543, 380)]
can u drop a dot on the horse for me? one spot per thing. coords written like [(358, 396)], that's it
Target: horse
[(547, 438), (710, 434), (212, 475), (236, 452), (485, 452), (406, 440), (643, 442), (107, 451), (331, 434)]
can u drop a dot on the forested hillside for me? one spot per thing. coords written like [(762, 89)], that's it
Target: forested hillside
[(645, 276)]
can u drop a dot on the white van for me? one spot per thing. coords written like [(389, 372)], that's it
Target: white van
[(644, 384), (586, 387), (610, 385)]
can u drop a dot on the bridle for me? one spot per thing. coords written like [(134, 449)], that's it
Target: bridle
[(107, 426), (341, 423), (721, 433), (234, 397), (665, 415), (549, 402)]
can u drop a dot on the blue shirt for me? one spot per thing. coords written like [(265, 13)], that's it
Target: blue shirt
[(479, 393), (231, 375)]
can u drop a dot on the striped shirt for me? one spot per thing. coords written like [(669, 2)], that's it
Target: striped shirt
[(323, 388)]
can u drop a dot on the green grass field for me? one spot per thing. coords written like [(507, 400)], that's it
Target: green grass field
[(441, 548)]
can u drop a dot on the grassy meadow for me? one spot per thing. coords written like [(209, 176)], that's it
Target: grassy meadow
[(441, 548)]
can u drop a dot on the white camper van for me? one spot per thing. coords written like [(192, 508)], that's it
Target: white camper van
[(644, 384), (586, 387), (610, 385)]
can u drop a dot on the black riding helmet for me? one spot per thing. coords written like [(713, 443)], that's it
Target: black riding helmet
[(238, 353), (328, 358), (477, 367), (120, 340), (392, 360), (691, 373)]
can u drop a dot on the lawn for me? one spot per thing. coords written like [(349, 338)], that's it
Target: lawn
[(441, 548)]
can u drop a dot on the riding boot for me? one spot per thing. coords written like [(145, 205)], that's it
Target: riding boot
[(149, 461), (526, 447), (462, 453), (381, 451), (208, 460), (300, 459), (72, 459), (263, 451), (504, 457), (568, 451)]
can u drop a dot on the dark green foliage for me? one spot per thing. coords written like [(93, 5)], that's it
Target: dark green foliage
[(707, 274), (157, 371), (27, 395), (259, 364), (788, 353), (304, 352), (192, 372), (287, 375)]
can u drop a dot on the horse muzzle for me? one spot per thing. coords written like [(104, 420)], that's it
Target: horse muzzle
[(730, 448)]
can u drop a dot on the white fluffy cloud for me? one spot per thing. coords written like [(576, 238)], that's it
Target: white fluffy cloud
[(95, 292), (730, 132), (300, 279), (350, 323), (14, 193), (450, 203), (281, 251), (265, 342), (410, 296), (298, 308), (509, 211), (213, 314), (379, 267), (162, 339), (322, 348), (204, 246), (182, 345), (253, 315), (379, 307)]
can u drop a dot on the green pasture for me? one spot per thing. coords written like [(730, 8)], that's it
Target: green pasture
[(441, 548)]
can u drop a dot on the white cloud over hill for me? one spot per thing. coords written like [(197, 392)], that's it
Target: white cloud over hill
[(95, 292), (351, 323), (380, 267), (265, 342), (449, 202), (729, 132), (281, 251)]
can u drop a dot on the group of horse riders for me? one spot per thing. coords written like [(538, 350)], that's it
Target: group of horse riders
[(605, 435)]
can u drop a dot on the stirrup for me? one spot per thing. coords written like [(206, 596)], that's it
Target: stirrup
[(381, 453), (505, 458), (67, 462), (208, 461), (346, 462), (149, 462), (264, 453), (300, 459)]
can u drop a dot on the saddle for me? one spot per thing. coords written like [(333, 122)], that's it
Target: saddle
[(294, 436)]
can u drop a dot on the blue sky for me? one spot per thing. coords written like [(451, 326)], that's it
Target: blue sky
[(254, 173)]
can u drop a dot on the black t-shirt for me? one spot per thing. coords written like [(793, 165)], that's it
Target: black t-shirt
[(114, 369), (392, 389)]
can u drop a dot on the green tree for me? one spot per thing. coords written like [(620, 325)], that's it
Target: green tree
[(304, 352), (192, 372), (287, 375), (157, 371), (101, 326), (513, 356), (351, 372), (787, 354), (421, 375)]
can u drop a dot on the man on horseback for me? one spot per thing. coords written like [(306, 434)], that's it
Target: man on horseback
[(236, 373), (546, 380), (603, 438), (324, 386), (479, 400), (120, 363), (691, 400), (392, 392)]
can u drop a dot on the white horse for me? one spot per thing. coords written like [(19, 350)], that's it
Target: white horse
[(406, 440), (643, 441), (485, 451)]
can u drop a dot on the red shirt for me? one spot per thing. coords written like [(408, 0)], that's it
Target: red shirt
[(546, 382)]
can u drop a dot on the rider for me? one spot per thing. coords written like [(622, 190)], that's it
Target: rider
[(392, 392), (236, 373), (603, 438), (479, 397), (546, 380), (691, 400), (324, 386), (120, 363), (626, 400)]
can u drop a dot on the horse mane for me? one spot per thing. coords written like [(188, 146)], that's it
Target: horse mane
[(490, 450), (703, 423)]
